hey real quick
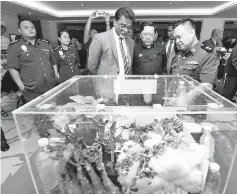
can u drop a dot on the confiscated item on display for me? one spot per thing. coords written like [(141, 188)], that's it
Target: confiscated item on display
[(224, 146), (208, 140), (213, 181)]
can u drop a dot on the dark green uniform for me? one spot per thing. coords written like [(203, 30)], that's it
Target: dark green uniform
[(67, 61), (199, 63), (34, 66)]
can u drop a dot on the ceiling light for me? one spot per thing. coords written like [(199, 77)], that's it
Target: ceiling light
[(82, 5), (29, 13), (170, 3), (38, 6), (77, 29)]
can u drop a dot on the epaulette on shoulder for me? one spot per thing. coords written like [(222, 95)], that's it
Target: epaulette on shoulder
[(56, 48), (43, 40), (207, 48), (15, 41)]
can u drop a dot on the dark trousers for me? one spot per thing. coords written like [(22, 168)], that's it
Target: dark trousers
[(3, 138), (29, 95), (38, 119), (231, 88)]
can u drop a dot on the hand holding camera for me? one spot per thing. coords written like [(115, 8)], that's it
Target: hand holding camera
[(93, 15), (97, 14), (100, 14)]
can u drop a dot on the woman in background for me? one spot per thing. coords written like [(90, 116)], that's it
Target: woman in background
[(65, 58)]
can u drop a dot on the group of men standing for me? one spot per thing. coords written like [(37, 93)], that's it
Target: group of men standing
[(114, 53)]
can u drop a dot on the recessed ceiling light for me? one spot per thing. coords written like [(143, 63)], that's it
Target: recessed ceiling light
[(77, 29), (126, 3), (170, 3), (82, 5), (29, 13)]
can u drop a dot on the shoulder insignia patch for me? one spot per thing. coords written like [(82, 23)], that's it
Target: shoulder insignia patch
[(56, 48), (207, 48), (14, 41), (43, 40)]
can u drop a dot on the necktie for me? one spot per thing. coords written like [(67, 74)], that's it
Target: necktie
[(169, 49), (125, 59)]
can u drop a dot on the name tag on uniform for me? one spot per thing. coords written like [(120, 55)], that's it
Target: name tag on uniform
[(156, 53), (44, 49), (192, 62)]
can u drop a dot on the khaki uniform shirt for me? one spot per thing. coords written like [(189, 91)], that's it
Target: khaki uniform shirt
[(33, 63), (198, 63), (67, 62)]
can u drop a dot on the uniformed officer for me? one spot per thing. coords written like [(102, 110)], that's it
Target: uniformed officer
[(215, 39), (231, 71), (149, 58), (214, 43), (193, 59), (66, 58), (29, 62)]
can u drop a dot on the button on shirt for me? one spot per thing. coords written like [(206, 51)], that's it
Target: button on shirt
[(149, 61), (197, 63), (33, 63), (120, 59)]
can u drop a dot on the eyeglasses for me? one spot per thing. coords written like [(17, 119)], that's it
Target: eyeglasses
[(123, 27), (147, 34)]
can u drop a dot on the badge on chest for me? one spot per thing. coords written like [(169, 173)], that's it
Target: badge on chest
[(61, 54), (192, 62), (24, 49)]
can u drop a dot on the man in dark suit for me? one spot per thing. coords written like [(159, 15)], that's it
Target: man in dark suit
[(215, 39), (149, 57), (214, 44), (231, 71), (111, 52), (170, 47)]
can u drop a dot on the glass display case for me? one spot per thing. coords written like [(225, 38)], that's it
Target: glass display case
[(129, 134)]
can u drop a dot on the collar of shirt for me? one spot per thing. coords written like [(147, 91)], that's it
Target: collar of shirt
[(171, 40), (214, 41), (144, 46), (193, 49), (117, 36), (29, 43), (64, 50)]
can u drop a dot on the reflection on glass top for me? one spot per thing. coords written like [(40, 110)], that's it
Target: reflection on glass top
[(113, 93)]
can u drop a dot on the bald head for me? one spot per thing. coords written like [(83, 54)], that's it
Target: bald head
[(217, 34)]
